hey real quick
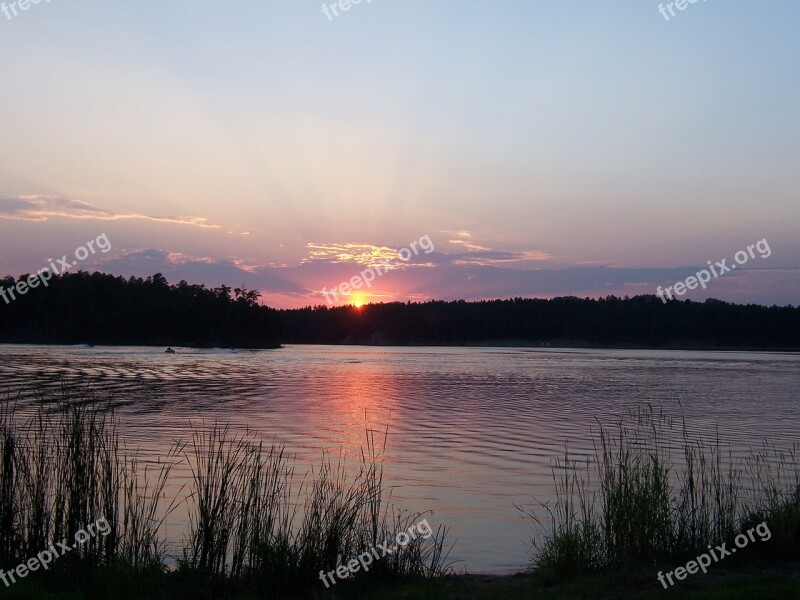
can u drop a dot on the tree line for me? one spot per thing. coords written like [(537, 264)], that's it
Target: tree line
[(83, 308), (642, 321)]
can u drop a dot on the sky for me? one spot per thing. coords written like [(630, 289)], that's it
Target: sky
[(562, 148)]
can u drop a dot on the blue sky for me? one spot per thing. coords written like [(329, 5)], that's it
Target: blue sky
[(548, 148)]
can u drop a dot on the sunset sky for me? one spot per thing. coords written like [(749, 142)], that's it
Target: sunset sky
[(547, 148)]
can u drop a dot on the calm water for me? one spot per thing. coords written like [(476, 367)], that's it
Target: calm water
[(473, 431)]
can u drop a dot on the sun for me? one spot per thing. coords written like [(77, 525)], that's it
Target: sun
[(358, 302)]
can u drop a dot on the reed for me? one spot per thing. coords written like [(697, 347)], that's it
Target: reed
[(775, 498), (60, 473), (646, 509), (246, 521), (140, 546), (252, 520)]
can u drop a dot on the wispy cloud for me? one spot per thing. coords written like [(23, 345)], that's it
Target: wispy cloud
[(478, 255), (461, 233), (362, 254), (43, 208), (485, 256), (468, 245), (468, 253)]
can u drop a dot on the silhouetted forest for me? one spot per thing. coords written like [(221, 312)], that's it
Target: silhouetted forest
[(103, 309), (611, 321), (83, 308)]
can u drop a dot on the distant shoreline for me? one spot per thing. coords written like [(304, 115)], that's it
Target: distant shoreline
[(562, 346), (162, 347), (491, 344)]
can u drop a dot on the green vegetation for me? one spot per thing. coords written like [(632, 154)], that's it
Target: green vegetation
[(646, 512)]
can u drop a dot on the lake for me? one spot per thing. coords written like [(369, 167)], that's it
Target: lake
[(472, 431)]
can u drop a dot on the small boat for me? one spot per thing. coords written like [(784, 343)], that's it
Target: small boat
[(169, 351)]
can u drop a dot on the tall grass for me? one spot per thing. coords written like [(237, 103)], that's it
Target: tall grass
[(60, 473), (646, 510), (140, 546), (251, 519), (63, 470), (246, 518), (777, 478)]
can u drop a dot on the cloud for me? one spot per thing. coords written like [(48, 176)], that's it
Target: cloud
[(481, 255), (461, 234), (485, 256), (468, 245), (42, 208), (362, 254), (370, 255)]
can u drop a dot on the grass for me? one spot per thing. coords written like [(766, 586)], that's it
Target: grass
[(60, 472), (255, 525), (251, 525), (649, 511)]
